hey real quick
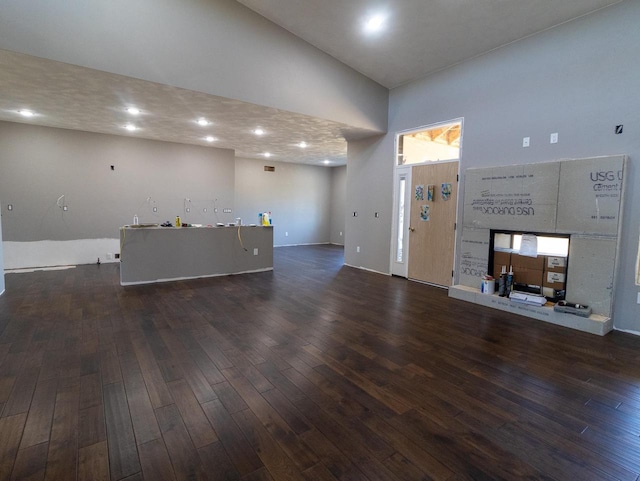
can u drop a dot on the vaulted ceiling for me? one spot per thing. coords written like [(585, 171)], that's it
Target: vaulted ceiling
[(417, 38)]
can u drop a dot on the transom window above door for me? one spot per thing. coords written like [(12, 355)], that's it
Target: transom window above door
[(430, 145)]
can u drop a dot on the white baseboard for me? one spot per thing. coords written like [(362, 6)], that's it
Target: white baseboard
[(303, 244), (369, 270), (20, 255), (628, 331)]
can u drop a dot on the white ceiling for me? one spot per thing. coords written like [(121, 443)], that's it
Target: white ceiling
[(421, 37)]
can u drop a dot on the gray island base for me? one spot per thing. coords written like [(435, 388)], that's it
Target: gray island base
[(161, 254)]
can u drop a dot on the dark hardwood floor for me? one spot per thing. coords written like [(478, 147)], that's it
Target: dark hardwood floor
[(315, 372)]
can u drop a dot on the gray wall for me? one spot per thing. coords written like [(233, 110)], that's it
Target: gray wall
[(298, 196), (218, 47), (579, 79), (338, 203), (39, 164), (1, 255), (369, 190)]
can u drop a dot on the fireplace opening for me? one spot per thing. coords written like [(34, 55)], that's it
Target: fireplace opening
[(538, 261)]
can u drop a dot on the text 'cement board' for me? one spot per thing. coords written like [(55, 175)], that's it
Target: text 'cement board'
[(516, 197), (589, 196)]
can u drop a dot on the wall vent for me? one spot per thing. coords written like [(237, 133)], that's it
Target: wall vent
[(269, 168)]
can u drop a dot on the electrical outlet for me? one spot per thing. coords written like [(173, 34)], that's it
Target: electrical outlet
[(10, 207), (65, 208), (109, 256), (525, 141), (340, 233), (117, 255), (255, 251), (155, 209), (358, 249), (553, 139), (376, 215), (355, 214)]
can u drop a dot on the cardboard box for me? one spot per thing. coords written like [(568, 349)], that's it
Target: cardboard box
[(554, 285), (500, 259), (555, 264), (530, 277), (523, 262), (555, 278)]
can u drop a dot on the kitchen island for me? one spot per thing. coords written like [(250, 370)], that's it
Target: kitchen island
[(161, 254)]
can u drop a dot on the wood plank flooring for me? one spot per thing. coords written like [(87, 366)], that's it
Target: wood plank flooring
[(314, 371)]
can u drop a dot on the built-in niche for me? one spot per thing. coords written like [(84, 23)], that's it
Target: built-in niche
[(538, 261), (580, 199)]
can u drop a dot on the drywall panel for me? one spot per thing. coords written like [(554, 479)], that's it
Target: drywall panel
[(474, 256), (515, 197), (43, 170), (47, 253), (369, 190), (1, 256), (590, 273), (590, 194), (298, 197), (338, 202)]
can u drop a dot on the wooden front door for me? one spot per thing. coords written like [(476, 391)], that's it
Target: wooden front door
[(432, 226)]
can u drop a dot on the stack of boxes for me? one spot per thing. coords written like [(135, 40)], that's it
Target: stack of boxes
[(500, 259), (528, 270), (548, 273), (555, 277)]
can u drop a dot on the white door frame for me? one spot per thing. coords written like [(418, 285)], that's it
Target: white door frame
[(401, 268)]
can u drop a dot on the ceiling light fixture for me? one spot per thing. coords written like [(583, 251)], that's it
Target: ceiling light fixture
[(130, 127), (133, 111), (258, 131), (303, 145), (374, 24), (202, 121), (267, 154), (26, 113), (210, 139)]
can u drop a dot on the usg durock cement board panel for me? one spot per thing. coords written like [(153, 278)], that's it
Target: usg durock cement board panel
[(516, 197), (589, 196)]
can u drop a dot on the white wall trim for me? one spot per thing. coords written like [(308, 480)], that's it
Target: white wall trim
[(369, 270), (628, 331), (47, 253), (304, 244)]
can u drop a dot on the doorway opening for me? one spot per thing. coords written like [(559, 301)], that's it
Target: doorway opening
[(426, 177)]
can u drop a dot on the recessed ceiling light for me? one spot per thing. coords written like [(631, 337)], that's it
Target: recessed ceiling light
[(210, 139), (374, 24), (130, 127), (26, 113), (133, 111), (303, 145), (267, 154), (258, 131), (202, 121)]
